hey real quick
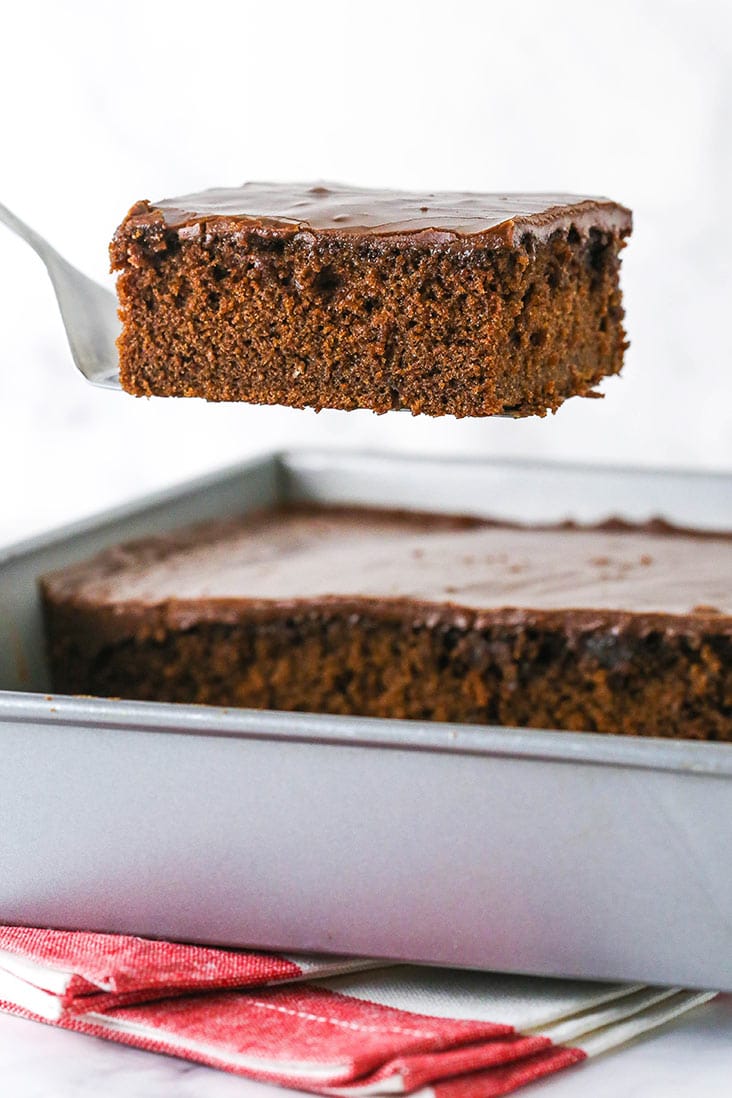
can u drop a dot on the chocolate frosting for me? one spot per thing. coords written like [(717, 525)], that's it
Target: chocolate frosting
[(457, 569), (342, 211)]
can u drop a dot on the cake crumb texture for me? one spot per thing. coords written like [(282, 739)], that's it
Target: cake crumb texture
[(464, 305), (615, 629)]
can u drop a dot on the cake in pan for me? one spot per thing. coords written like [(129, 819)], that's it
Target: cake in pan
[(613, 628), (333, 297)]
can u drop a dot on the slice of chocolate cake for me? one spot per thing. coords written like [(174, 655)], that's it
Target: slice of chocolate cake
[(332, 297), (391, 614)]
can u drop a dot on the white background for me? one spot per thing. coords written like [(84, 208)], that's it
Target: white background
[(105, 103)]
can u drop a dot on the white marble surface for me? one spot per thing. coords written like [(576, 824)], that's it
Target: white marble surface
[(690, 1057)]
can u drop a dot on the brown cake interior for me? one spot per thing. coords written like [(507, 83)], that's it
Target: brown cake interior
[(436, 322), (614, 630), (526, 676)]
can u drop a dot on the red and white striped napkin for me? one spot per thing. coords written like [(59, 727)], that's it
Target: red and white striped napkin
[(332, 1026)]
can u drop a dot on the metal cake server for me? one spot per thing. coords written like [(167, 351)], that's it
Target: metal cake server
[(89, 312)]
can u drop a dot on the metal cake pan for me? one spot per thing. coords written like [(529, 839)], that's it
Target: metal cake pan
[(552, 853)]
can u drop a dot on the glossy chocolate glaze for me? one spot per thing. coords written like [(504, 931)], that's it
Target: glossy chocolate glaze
[(432, 568), (344, 211)]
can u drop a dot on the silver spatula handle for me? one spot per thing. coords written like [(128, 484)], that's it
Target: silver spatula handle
[(89, 312)]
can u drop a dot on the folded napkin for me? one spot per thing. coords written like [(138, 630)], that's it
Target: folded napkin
[(333, 1026)]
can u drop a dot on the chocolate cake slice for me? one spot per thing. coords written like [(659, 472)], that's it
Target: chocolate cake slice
[(332, 297), (607, 629)]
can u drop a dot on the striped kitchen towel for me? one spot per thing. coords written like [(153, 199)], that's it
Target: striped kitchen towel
[(331, 1026)]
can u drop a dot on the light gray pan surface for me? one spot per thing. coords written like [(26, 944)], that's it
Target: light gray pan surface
[(543, 852)]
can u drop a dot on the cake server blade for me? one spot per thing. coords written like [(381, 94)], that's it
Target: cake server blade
[(88, 310)]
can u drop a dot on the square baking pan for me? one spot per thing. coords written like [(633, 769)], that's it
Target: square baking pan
[(554, 853)]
